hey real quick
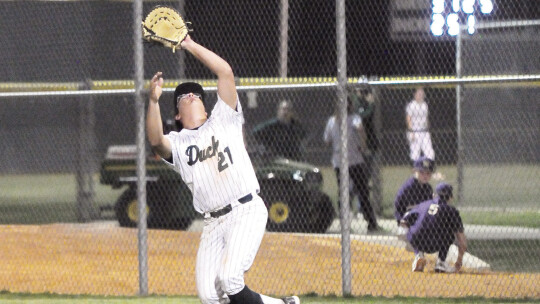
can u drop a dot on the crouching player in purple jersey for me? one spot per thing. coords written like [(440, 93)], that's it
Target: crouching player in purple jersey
[(434, 225), (210, 155)]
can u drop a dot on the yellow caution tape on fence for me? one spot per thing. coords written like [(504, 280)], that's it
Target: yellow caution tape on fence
[(402, 81)]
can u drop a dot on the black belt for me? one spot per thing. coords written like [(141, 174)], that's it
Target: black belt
[(228, 208)]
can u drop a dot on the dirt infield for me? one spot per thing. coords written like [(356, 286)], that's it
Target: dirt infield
[(102, 260)]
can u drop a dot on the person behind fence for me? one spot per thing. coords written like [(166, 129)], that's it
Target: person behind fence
[(417, 119), (414, 190), (210, 155), (282, 135), (366, 109), (358, 171), (433, 226)]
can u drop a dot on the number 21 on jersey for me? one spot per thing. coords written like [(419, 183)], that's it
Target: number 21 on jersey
[(222, 160)]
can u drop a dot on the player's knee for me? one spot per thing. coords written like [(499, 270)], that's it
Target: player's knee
[(207, 293), (231, 283), (207, 296)]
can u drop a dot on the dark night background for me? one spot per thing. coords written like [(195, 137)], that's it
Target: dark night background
[(92, 39), (80, 40)]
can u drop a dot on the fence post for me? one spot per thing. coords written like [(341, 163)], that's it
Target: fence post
[(86, 209), (344, 165), (459, 162), (141, 150)]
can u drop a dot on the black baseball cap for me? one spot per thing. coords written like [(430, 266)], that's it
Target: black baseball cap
[(186, 88), (424, 164), (444, 189)]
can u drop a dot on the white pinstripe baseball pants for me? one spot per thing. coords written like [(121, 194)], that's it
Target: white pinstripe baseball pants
[(227, 249)]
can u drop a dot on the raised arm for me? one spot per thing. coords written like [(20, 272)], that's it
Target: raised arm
[(154, 125), (226, 87)]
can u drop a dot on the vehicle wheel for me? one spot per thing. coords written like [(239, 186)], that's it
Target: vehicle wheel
[(282, 208), (177, 205), (315, 212), (182, 223), (159, 209), (279, 213), (126, 208), (324, 215)]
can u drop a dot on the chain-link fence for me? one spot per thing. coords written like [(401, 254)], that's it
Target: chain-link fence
[(69, 122)]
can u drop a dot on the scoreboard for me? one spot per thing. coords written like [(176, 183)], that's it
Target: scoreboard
[(438, 20), (448, 16)]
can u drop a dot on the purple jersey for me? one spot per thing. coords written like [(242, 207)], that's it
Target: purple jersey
[(433, 224), (411, 193)]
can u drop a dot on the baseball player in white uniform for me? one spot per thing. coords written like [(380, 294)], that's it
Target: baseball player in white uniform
[(418, 127), (210, 155)]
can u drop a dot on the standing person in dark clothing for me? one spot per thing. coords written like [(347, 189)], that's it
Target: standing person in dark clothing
[(433, 227), (356, 143), (366, 110), (282, 135)]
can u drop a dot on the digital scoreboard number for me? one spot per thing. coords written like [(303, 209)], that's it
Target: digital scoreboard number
[(448, 15)]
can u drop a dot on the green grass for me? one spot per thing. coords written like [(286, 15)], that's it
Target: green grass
[(529, 219), (14, 298), (510, 193), (50, 198)]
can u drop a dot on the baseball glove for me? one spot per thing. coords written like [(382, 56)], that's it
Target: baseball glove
[(165, 26)]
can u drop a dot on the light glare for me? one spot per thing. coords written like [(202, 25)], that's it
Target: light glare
[(438, 6), (452, 21), (471, 22), (455, 5), (468, 6), (437, 25), (486, 6)]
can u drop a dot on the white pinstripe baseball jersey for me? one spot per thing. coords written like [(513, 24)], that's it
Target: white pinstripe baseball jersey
[(213, 160)]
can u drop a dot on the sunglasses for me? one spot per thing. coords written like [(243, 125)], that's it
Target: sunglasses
[(180, 97)]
